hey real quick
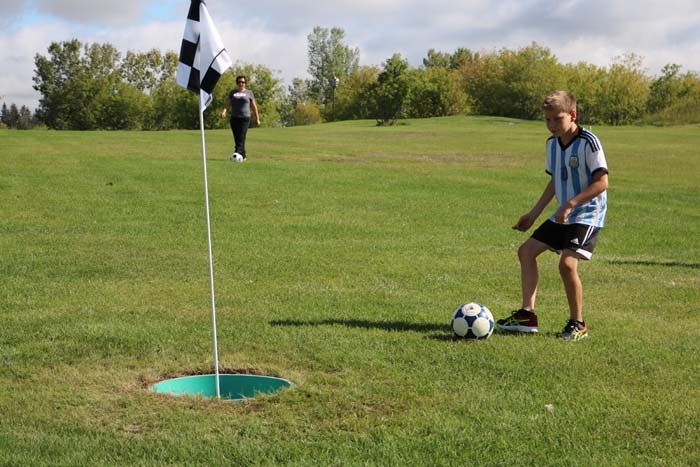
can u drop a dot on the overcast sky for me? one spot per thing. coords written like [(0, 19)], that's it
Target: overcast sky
[(273, 32)]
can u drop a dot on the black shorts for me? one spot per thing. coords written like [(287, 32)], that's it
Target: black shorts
[(580, 238)]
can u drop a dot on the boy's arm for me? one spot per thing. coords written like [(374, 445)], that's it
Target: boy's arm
[(526, 221), (599, 185)]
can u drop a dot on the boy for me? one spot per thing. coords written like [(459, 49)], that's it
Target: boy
[(579, 179)]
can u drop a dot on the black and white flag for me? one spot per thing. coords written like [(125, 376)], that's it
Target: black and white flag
[(203, 58)]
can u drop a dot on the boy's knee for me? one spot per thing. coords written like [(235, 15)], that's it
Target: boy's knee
[(527, 252), (568, 265), (522, 252)]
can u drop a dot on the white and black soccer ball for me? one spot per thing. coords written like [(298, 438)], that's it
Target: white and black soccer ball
[(472, 321), (235, 157)]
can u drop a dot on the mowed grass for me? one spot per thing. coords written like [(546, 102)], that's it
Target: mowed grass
[(340, 252)]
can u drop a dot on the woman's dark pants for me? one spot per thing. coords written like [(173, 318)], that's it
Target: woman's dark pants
[(239, 126)]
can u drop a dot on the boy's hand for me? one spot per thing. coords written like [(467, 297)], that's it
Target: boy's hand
[(525, 222), (562, 214)]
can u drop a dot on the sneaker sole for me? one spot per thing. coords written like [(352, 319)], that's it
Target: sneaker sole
[(572, 338), (517, 328)]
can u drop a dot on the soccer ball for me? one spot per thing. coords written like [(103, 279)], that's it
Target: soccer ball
[(235, 157), (472, 321)]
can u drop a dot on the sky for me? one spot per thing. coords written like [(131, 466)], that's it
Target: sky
[(274, 32)]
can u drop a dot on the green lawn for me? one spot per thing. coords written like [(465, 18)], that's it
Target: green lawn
[(340, 251)]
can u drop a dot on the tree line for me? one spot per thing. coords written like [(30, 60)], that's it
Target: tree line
[(91, 86)]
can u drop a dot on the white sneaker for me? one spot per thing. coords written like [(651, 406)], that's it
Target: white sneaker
[(236, 157)]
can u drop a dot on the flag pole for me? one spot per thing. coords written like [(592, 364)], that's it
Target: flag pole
[(211, 259)]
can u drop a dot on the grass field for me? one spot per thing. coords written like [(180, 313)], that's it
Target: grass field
[(340, 252)]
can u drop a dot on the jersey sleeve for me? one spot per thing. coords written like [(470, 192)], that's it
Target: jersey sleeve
[(595, 158)]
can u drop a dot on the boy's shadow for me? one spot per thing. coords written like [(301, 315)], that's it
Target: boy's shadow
[(440, 332), (366, 324)]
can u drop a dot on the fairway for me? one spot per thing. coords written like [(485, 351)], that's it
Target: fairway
[(340, 252)]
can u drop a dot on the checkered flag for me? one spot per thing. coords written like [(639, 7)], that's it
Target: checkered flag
[(203, 58)]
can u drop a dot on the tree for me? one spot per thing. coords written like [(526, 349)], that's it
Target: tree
[(143, 70), (297, 93), (125, 108), (5, 116), (584, 81), (435, 92), (174, 107), (436, 59), (25, 120), (624, 92), (330, 62), (17, 118), (461, 57), (71, 80), (389, 92), (307, 113), (52, 76), (13, 117), (670, 87), (351, 99), (514, 83)]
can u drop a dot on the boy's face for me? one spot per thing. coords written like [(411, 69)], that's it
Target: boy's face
[(559, 122)]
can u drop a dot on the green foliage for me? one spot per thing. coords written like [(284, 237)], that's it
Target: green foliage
[(307, 113), (624, 91), (513, 83), (454, 61), (435, 92), (125, 108), (330, 61), (352, 98), (585, 81), (89, 86), (17, 118), (685, 110), (674, 97), (435, 59), (388, 94), (174, 107), (297, 93)]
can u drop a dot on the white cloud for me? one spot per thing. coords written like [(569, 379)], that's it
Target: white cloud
[(93, 12), (273, 32)]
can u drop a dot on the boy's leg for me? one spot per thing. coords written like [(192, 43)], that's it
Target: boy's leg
[(525, 319), (568, 269), (529, 274)]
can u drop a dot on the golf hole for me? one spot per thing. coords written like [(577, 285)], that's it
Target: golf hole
[(234, 387)]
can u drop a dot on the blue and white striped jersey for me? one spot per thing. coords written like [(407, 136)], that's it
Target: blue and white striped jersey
[(572, 169)]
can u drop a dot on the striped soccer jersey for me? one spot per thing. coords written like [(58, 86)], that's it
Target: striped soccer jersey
[(572, 169)]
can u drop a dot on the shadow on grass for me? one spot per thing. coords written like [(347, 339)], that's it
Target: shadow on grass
[(366, 324), (440, 332), (668, 264)]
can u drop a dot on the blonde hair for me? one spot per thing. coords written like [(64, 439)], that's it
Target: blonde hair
[(562, 101)]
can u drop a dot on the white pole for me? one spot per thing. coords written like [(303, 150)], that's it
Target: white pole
[(211, 259)]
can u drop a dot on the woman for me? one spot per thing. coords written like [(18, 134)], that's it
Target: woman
[(240, 102)]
